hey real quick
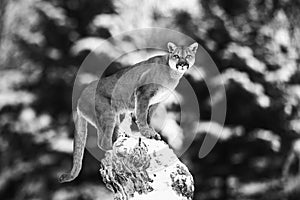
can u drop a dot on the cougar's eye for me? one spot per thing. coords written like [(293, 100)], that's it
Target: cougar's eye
[(175, 56), (188, 56)]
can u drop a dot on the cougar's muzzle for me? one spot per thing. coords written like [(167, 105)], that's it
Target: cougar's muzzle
[(182, 65)]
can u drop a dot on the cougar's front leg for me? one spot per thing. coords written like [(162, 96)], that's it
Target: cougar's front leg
[(143, 96)]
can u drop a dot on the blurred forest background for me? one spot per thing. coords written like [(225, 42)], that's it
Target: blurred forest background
[(255, 45)]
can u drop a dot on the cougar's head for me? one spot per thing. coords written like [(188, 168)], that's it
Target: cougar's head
[(181, 58)]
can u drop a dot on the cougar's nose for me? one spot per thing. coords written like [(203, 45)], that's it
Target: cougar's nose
[(182, 63)]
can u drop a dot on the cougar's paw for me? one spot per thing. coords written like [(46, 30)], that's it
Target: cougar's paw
[(66, 178), (157, 136), (150, 133)]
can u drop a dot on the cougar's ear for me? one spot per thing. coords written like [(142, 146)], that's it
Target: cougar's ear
[(193, 47), (171, 47)]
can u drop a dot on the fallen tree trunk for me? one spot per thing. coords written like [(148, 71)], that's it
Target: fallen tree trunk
[(140, 169)]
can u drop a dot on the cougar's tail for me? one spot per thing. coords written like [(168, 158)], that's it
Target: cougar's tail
[(78, 148)]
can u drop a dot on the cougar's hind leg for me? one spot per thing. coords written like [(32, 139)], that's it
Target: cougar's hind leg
[(151, 111), (107, 122), (78, 148), (116, 129)]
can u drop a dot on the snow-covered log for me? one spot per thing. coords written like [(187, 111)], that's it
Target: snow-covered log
[(145, 169)]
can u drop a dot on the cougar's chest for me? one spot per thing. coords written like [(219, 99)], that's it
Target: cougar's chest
[(160, 95)]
